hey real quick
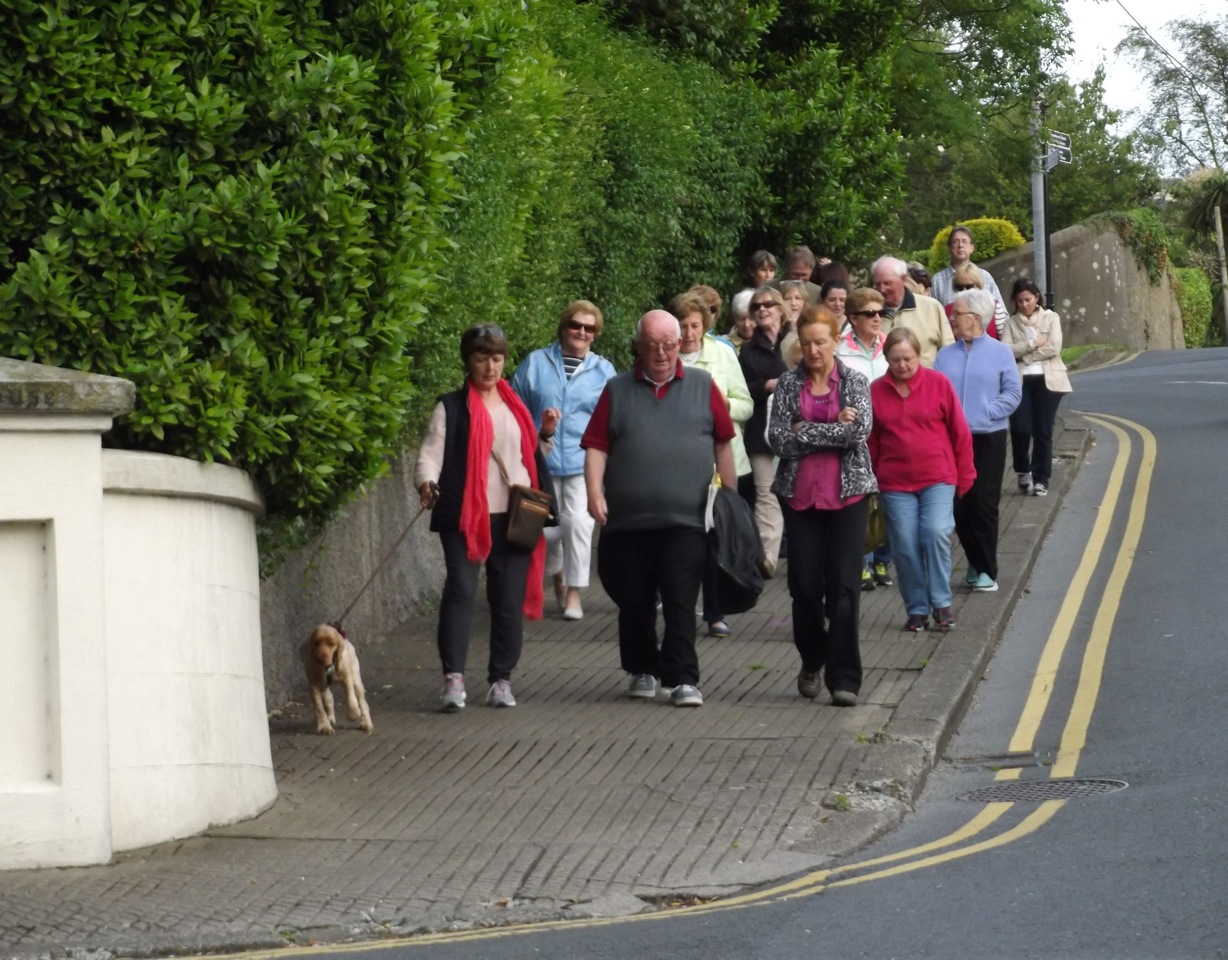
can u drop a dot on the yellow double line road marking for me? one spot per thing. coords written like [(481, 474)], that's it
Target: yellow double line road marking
[(939, 851)]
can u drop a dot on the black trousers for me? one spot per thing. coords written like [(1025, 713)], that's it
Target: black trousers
[(637, 565), (1032, 425), (976, 512), (825, 560), (507, 569)]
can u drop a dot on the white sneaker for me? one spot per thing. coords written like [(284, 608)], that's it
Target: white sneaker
[(1025, 483), (687, 695), (500, 695), (453, 698), (1039, 490)]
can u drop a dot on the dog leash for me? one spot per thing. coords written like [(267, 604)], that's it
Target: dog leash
[(336, 624)]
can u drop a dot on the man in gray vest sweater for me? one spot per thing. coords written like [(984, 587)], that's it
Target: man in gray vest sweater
[(649, 448)]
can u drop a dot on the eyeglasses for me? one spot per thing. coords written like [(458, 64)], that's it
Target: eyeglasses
[(965, 286), (664, 346), (764, 305), (588, 329), (867, 313)]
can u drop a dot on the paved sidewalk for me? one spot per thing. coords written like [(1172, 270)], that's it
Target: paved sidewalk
[(578, 802)]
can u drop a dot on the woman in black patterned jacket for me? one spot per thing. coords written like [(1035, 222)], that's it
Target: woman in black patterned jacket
[(821, 418)]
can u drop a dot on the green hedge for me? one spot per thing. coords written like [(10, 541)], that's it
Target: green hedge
[(1193, 291), (600, 169), (277, 219), (239, 206), (991, 236)]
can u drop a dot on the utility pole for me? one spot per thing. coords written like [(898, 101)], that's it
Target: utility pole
[(1040, 220), (1048, 155)]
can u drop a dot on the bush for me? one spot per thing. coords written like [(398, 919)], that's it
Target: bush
[(1193, 291), (991, 237), (239, 206)]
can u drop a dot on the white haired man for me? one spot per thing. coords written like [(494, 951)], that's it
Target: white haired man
[(923, 315), (649, 449)]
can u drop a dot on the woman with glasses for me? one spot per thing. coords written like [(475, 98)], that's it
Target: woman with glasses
[(567, 376), (972, 277), (821, 417), (861, 349), (762, 365), (480, 440), (698, 348)]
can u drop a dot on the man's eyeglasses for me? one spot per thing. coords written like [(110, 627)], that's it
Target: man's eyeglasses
[(867, 313), (764, 305), (664, 346), (588, 329)]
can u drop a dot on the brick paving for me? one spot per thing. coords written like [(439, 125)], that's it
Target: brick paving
[(577, 795)]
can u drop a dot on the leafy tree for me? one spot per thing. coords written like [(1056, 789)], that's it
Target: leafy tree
[(1186, 122), (987, 171), (832, 171), (1206, 193)]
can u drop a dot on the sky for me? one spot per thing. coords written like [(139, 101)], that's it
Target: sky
[(1098, 26)]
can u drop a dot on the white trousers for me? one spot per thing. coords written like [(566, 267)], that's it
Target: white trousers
[(768, 517), (569, 545)]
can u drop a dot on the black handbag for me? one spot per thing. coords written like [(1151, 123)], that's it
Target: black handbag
[(528, 510)]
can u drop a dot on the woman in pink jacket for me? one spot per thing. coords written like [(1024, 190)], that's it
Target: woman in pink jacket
[(921, 449)]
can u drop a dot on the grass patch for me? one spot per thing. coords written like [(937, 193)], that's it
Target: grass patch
[(1072, 354)]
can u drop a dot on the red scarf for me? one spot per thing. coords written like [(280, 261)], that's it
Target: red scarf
[(475, 510)]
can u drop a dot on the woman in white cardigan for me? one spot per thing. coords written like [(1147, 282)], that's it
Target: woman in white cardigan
[(1034, 334)]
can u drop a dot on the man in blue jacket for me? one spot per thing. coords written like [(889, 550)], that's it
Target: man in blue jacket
[(567, 375), (986, 380)]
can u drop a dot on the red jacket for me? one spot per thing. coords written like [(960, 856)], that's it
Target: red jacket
[(922, 439)]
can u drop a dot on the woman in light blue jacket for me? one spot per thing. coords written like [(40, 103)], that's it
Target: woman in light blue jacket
[(567, 375)]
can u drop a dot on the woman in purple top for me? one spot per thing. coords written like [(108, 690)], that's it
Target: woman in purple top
[(821, 418)]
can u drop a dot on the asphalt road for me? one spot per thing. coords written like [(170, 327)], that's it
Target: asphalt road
[(1112, 668)]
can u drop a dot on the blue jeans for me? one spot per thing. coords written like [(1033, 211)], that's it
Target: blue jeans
[(919, 526)]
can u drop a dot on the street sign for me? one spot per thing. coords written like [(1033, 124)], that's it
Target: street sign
[(1061, 140), (1055, 156)]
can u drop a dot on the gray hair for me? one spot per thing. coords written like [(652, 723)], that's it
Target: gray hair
[(980, 302), (739, 303), (897, 266)]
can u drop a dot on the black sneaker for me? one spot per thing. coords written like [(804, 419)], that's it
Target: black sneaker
[(882, 577), (916, 622), (808, 683), (944, 620)]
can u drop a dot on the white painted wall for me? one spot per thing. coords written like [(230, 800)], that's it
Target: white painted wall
[(54, 755), (187, 718)]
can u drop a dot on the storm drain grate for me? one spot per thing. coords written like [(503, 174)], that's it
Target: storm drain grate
[(1035, 791)]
